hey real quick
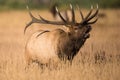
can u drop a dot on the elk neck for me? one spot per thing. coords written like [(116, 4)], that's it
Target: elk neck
[(68, 45)]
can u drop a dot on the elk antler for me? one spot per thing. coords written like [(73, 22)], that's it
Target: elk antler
[(64, 22), (44, 21), (73, 14), (41, 20)]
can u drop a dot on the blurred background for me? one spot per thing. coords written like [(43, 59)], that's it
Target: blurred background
[(103, 46), (40, 4)]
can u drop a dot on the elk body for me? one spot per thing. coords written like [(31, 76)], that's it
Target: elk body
[(47, 47)]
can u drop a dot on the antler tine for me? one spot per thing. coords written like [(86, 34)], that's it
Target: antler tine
[(43, 19), (73, 13), (80, 13), (89, 13), (93, 21), (34, 20), (27, 26), (93, 14), (50, 22), (60, 15), (66, 16)]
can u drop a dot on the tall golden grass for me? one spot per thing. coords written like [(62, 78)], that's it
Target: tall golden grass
[(99, 58)]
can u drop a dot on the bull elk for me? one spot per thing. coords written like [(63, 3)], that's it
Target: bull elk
[(45, 47)]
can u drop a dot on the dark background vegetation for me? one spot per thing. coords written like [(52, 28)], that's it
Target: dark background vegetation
[(40, 4)]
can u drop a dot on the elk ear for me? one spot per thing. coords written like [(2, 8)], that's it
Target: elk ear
[(66, 29)]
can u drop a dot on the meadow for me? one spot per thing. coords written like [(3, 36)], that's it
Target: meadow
[(98, 59)]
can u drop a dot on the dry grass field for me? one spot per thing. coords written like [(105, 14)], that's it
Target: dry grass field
[(99, 58)]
